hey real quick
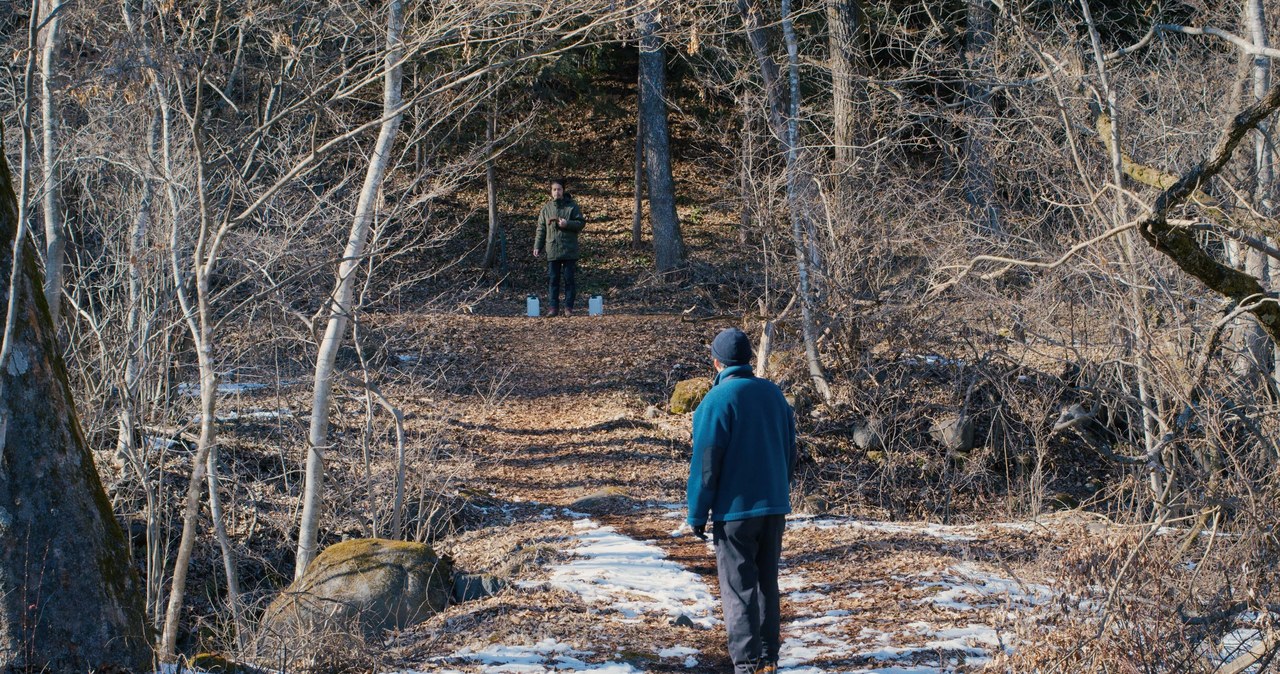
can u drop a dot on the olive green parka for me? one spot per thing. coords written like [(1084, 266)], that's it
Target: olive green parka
[(559, 242)]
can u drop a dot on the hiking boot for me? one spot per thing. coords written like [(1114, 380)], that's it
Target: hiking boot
[(553, 313), (767, 667)]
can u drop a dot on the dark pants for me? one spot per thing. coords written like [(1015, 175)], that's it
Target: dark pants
[(747, 554), (555, 270)]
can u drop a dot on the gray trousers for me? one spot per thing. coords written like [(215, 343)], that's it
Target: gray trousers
[(747, 554)]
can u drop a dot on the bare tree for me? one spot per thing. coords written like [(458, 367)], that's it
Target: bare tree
[(846, 28), (340, 306), (55, 236), (668, 244), (979, 188), (69, 599)]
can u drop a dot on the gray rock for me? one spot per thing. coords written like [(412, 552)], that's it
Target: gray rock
[(683, 621), (473, 586), (953, 431), (362, 585), (867, 435)]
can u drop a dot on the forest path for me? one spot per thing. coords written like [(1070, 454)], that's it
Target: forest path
[(588, 482)]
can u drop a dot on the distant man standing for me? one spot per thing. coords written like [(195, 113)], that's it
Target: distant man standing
[(744, 455), (559, 222)]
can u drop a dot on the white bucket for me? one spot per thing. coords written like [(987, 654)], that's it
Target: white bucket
[(531, 306), (595, 306)]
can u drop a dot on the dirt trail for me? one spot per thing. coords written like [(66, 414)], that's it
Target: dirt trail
[(557, 414)]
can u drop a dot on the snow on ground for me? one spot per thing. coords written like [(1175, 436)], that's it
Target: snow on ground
[(228, 388), (548, 655), (631, 577), (964, 603), (951, 615)]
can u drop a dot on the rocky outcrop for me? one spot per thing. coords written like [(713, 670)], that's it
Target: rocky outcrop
[(688, 393), (362, 586)]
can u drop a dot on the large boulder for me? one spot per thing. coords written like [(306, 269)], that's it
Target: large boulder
[(688, 393), (363, 586)]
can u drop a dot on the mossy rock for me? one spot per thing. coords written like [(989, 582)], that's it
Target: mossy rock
[(362, 586), (688, 393), (877, 456)]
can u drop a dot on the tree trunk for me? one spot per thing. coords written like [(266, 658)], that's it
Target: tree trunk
[(668, 245), (845, 21), (340, 302), (797, 208), (69, 598), (228, 554), (55, 237), (806, 191), (979, 184), (637, 211), (1256, 346), (491, 186)]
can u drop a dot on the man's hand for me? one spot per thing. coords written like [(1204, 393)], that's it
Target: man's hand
[(537, 253), (700, 530), (560, 223)]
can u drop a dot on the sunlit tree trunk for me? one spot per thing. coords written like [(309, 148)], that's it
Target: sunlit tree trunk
[(54, 229), (340, 307)]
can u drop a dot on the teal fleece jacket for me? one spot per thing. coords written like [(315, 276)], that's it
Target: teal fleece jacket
[(744, 450)]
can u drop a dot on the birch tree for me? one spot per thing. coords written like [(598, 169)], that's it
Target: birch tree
[(340, 306), (55, 236)]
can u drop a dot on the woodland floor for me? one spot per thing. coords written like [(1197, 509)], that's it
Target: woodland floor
[(564, 442), (556, 432)]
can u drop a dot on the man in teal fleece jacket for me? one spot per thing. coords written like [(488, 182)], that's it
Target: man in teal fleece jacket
[(744, 455)]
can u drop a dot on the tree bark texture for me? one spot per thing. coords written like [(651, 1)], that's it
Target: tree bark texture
[(637, 210), (340, 306), (668, 244), (979, 182), (69, 598), (845, 26), (1258, 348)]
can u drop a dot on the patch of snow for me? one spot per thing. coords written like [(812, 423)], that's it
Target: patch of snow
[(1238, 642), (227, 388), (939, 531), (631, 577), (965, 585), (677, 651), (152, 442), (548, 655), (234, 415)]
